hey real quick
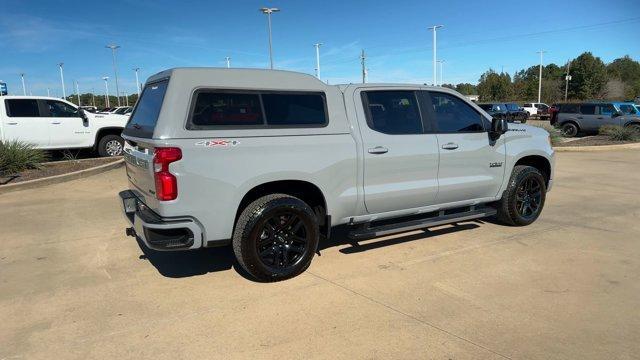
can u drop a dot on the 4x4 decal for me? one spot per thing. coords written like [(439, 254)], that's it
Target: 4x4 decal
[(218, 143)]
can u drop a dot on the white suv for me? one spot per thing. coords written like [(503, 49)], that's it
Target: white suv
[(271, 160), (52, 123), (540, 110)]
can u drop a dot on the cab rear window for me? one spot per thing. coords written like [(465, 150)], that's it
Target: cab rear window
[(145, 115)]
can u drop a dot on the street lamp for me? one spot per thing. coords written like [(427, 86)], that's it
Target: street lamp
[(268, 12), (434, 28), (137, 81), (441, 62), (317, 59), (64, 94), (24, 89), (77, 92), (540, 76), (106, 94), (115, 67)]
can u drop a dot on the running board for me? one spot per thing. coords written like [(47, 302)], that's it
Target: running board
[(369, 232)]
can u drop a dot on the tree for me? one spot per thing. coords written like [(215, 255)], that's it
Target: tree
[(494, 87), (627, 71), (467, 89), (589, 77)]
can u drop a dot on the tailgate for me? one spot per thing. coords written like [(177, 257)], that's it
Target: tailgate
[(139, 166)]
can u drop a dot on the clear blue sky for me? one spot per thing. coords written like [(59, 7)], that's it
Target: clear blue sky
[(157, 34)]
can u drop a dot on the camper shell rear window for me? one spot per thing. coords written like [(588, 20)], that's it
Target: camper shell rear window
[(145, 115)]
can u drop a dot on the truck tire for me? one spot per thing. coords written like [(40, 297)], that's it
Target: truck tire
[(524, 197), (569, 129), (276, 237), (110, 145)]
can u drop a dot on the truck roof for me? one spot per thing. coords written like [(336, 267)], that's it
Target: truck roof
[(263, 79)]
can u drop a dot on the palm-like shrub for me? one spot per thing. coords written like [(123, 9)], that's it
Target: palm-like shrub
[(619, 133), (16, 156)]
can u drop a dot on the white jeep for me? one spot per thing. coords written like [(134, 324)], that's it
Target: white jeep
[(269, 161), (51, 123)]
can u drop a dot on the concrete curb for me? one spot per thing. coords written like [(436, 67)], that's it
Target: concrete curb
[(597, 147), (31, 184)]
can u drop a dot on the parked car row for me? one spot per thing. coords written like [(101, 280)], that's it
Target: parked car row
[(588, 117), (51, 123), (510, 111)]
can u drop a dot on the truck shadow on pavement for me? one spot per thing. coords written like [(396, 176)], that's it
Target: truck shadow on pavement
[(180, 264)]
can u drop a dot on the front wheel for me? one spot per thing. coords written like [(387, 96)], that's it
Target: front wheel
[(276, 237), (110, 145), (523, 200)]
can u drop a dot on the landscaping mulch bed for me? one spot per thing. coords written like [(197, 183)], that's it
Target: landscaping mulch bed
[(596, 140), (56, 168)]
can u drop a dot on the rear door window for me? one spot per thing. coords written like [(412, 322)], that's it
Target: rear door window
[(393, 112), (588, 109), (145, 115), (569, 108), (22, 108)]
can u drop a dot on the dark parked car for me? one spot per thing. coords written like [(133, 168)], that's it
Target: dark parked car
[(516, 113), (589, 117), (510, 111), (496, 110)]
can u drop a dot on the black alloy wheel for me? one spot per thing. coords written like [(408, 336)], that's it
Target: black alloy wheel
[(529, 197), (283, 241)]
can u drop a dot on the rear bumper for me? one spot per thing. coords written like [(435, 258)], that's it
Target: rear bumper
[(159, 233)]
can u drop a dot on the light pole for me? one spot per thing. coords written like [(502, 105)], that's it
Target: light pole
[(106, 93), (228, 60), (77, 92), (317, 45), (48, 92), (434, 28), (540, 75), (137, 81), (113, 48), (64, 93), (567, 78), (441, 62), (126, 98), (24, 89), (93, 97), (268, 12)]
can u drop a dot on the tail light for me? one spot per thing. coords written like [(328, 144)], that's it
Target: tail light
[(166, 182)]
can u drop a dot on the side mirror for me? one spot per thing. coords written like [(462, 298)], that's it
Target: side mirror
[(83, 116), (499, 126), (616, 114)]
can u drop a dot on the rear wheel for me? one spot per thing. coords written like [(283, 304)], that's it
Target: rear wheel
[(110, 145), (635, 127), (523, 200), (569, 129), (276, 237)]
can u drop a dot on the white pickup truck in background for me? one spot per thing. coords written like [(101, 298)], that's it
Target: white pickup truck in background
[(51, 123)]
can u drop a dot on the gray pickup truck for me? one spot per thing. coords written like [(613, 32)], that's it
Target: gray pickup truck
[(269, 161)]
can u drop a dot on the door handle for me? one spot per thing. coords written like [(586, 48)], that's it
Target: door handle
[(56, 122), (378, 150), (12, 123), (450, 146), (579, 117)]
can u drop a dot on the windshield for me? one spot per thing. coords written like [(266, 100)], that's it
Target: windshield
[(627, 109), (145, 115)]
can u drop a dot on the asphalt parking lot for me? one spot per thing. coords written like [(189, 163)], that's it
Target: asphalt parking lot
[(567, 287)]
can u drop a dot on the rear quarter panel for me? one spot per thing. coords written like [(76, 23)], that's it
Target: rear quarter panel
[(212, 180)]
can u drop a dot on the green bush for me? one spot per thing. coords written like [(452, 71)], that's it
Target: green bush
[(554, 133), (619, 133), (16, 156)]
